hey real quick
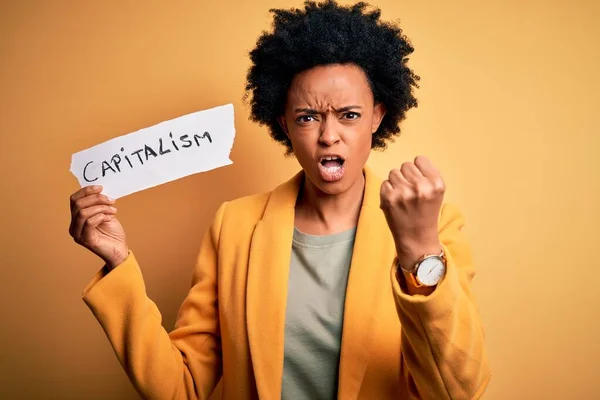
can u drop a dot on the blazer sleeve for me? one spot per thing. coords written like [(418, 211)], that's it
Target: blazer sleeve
[(183, 364), (442, 338)]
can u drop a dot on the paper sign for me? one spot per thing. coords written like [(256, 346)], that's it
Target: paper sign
[(170, 150)]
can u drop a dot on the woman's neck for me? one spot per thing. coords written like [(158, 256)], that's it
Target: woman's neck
[(318, 213)]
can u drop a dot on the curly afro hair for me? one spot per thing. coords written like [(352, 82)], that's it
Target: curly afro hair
[(324, 34)]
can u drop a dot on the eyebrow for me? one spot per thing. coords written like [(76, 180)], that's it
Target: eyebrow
[(311, 111)]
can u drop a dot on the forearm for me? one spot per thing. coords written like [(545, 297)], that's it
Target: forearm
[(133, 325), (442, 339)]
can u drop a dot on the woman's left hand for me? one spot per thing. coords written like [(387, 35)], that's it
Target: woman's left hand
[(411, 199)]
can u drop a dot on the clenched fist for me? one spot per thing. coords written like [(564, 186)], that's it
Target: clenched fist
[(95, 227), (411, 199)]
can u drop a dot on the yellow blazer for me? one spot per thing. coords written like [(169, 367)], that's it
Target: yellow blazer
[(231, 325)]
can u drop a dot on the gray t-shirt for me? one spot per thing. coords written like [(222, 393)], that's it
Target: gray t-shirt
[(314, 315)]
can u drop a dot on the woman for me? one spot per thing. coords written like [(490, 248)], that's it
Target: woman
[(334, 284)]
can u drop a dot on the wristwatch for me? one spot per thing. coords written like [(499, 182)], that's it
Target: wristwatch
[(428, 271)]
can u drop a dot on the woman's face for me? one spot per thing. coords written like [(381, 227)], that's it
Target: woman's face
[(330, 117)]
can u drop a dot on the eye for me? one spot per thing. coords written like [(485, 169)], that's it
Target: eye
[(305, 118), (351, 115)]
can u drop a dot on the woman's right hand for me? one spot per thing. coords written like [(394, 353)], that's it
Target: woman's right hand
[(95, 227)]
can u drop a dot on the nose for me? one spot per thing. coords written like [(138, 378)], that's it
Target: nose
[(329, 132)]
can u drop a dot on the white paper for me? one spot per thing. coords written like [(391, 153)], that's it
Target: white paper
[(170, 150)]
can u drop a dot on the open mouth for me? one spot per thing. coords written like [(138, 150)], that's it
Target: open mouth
[(332, 162), (331, 167)]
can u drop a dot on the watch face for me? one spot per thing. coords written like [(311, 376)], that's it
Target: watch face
[(431, 271)]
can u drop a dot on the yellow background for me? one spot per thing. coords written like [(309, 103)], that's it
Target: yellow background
[(508, 111)]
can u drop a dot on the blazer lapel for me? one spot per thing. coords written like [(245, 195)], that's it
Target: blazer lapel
[(368, 279), (267, 287), (266, 295)]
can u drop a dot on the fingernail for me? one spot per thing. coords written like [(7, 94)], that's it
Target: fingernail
[(113, 209), (110, 198)]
